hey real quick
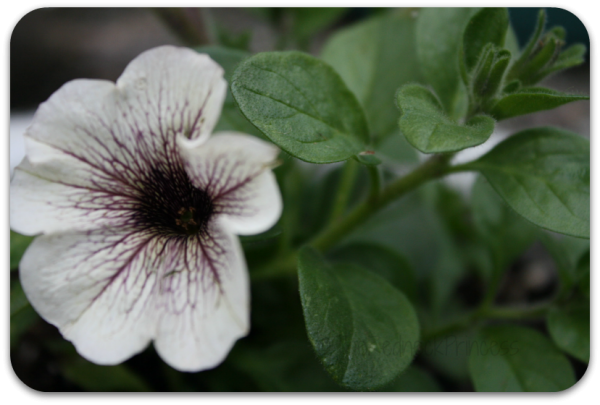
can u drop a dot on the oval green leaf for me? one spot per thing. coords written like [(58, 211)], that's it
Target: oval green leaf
[(382, 260), (363, 330), (427, 128), (569, 327), (302, 105), (531, 100), (374, 58), (544, 175), (512, 358)]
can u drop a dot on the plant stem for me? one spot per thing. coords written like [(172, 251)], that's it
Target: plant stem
[(345, 189), (433, 168), (437, 166), (375, 183), (487, 314)]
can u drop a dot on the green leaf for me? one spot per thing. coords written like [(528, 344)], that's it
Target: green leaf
[(496, 74), (570, 57), (569, 327), (18, 300), (374, 58), (22, 314), (413, 379), (516, 359), (438, 38), (427, 128), (506, 234), (511, 43), (512, 87), (583, 269), (308, 21), (20, 323), (566, 252), (544, 175), (531, 44), (489, 25), (92, 377), (18, 245), (302, 105), (530, 100), (284, 366), (383, 261), (363, 329), (449, 355)]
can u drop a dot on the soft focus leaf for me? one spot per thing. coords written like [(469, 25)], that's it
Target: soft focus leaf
[(530, 100), (363, 329), (302, 105), (383, 261), (21, 322), (374, 58), (583, 269), (566, 252), (450, 355), (18, 300), (569, 327), (516, 359), (506, 234), (544, 175), (438, 38), (488, 25), (427, 128), (18, 245), (22, 314), (285, 366), (570, 57), (92, 377), (526, 53), (413, 379), (308, 21)]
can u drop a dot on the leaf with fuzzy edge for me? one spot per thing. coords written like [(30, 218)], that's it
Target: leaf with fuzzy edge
[(427, 128), (544, 175), (364, 331), (302, 105), (512, 358), (531, 100)]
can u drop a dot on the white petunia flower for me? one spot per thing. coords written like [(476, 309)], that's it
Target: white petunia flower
[(138, 211)]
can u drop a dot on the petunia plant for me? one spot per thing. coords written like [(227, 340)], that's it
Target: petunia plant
[(312, 242)]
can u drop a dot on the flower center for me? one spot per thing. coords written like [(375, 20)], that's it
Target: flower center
[(171, 205), (187, 221)]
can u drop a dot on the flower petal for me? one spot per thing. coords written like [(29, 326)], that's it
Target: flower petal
[(95, 134), (235, 169), (49, 198), (203, 300), (96, 287)]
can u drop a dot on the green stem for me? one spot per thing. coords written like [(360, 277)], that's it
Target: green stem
[(433, 168), (487, 314), (375, 183), (344, 190), (437, 166)]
